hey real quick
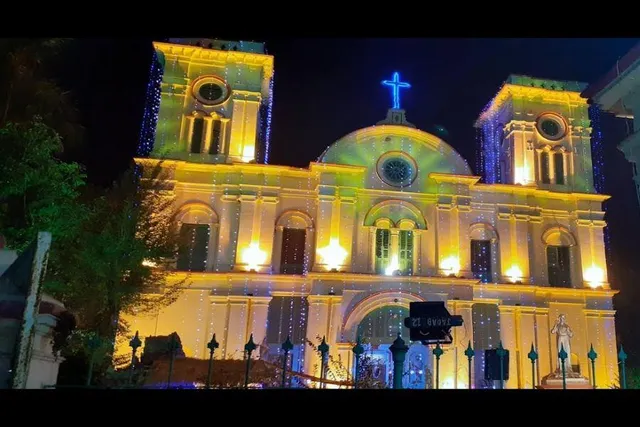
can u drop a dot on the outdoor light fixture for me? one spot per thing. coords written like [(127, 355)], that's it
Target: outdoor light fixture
[(333, 255)]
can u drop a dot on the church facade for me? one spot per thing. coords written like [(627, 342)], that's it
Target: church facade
[(386, 216)]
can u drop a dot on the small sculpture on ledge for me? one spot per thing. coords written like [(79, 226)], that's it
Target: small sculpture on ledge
[(573, 379), (563, 333)]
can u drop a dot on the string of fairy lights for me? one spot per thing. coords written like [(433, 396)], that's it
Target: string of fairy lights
[(152, 107)]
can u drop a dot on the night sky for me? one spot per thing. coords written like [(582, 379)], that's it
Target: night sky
[(326, 88)]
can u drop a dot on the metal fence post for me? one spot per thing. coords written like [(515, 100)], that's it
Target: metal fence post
[(398, 353), (287, 346), (622, 356), (592, 357), (212, 345), (323, 348), (437, 352), (563, 356), (469, 353), (249, 347), (135, 343), (173, 347), (357, 351), (501, 352), (533, 356)]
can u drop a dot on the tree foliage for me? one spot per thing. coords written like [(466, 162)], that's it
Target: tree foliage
[(129, 240), (37, 191), (26, 91)]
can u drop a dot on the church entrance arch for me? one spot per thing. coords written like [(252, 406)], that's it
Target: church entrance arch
[(378, 329)]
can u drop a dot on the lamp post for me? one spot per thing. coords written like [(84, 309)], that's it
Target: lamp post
[(501, 352), (592, 357), (563, 356), (287, 346), (249, 347), (357, 351), (135, 343), (212, 345), (323, 348), (398, 353), (437, 352), (533, 356), (469, 352)]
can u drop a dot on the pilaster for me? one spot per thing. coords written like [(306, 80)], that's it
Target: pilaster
[(237, 320), (228, 234), (509, 342), (462, 336), (257, 322), (324, 320)]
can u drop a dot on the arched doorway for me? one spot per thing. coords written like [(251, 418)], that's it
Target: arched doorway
[(378, 330)]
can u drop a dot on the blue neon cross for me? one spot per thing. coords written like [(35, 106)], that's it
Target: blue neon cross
[(396, 85)]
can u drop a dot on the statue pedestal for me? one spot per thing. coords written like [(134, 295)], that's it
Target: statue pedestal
[(554, 382)]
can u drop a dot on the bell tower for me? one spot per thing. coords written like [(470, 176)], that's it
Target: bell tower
[(214, 101), (537, 132)]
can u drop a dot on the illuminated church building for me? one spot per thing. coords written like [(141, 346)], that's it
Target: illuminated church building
[(387, 215)]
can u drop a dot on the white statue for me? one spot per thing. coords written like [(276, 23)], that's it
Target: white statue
[(563, 340)]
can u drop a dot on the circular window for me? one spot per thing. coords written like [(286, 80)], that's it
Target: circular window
[(397, 169), (211, 90), (551, 126)]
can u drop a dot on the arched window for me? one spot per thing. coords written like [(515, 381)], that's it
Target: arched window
[(198, 225), (484, 252), (544, 167), (383, 243), (215, 146), (558, 166), (559, 243), (197, 135), (293, 242), (382, 325), (394, 247), (395, 230)]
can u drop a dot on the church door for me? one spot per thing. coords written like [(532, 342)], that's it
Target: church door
[(417, 368)]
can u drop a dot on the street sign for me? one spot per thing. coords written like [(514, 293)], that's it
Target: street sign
[(430, 322)]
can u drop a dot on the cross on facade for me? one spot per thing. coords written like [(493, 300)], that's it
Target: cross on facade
[(396, 85)]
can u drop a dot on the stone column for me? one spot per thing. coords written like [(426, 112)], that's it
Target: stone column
[(227, 241), (218, 323), (212, 247), (525, 322), (546, 358), (317, 322), (267, 221), (276, 256), (509, 342), (610, 352), (309, 246), (417, 252), (324, 228), (372, 249), (601, 334), (447, 234), (249, 230), (257, 324), (345, 227), (224, 135), (462, 335), (237, 327), (394, 246)]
